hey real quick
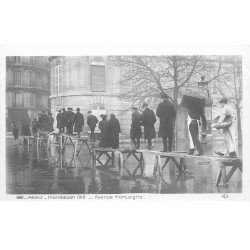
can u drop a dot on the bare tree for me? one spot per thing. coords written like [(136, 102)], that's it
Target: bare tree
[(144, 78)]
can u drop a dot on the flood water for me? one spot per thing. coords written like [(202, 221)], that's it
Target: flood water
[(51, 173)]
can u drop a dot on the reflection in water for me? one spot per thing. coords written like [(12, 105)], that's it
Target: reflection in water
[(48, 172)]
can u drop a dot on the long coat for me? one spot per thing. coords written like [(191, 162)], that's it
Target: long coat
[(60, 120), (64, 119), (43, 120), (166, 112), (92, 121), (113, 131), (103, 126), (35, 126), (69, 116), (135, 131), (50, 127), (148, 121), (79, 122)]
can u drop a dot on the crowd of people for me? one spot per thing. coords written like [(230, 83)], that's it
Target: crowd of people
[(165, 112), (69, 122)]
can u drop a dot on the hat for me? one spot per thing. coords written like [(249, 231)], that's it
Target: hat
[(144, 105), (223, 100), (134, 108)]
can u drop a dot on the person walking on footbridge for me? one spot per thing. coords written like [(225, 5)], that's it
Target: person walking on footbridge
[(167, 113)]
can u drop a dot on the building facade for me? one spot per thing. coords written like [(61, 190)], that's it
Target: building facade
[(27, 90), (88, 83)]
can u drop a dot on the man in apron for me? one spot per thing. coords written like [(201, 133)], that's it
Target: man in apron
[(229, 146)]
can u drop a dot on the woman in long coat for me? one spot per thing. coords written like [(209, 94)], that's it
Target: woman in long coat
[(166, 112), (113, 131), (135, 131), (60, 121), (148, 121), (79, 122), (103, 126), (50, 123)]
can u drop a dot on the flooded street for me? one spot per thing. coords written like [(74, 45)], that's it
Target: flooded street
[(49, 173)]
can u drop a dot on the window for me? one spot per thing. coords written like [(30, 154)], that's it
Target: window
[(19, 99), (17, 77), (98, 109), (24, 59), (9, 99), (26, 101), (78, 69), (39, 80), (45, 81), (16, 59), (33, 100), (26, 78), (97, 75), (13, 99), (58, 78)]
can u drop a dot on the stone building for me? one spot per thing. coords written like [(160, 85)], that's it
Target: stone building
[(88, 83), (27, 90)]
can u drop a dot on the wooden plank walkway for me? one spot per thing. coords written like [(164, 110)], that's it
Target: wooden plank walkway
[(163, 158)]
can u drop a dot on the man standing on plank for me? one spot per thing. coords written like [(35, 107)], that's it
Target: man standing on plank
[(92, 121), (114, 130), (79, 122), (135, 131), (167, 113), (59, 121), (148, 121), (69, 116)]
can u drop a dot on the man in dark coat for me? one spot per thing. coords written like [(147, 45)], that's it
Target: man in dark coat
[(15, 133), (103, 126), (69, 117), (92, 121), (60, 121), (35, 126), (135, 131), (50, 123), (148, 121), (79, 122), (114, 130), (64, 119), (167, 113), (26, 130), (43, 119)]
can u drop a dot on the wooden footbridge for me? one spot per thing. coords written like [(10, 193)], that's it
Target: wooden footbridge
[(161, 159)]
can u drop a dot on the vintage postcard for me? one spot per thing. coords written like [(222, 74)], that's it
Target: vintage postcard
[(124, 124)]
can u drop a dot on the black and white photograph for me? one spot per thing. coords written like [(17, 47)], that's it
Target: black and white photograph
[(124, 124)]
